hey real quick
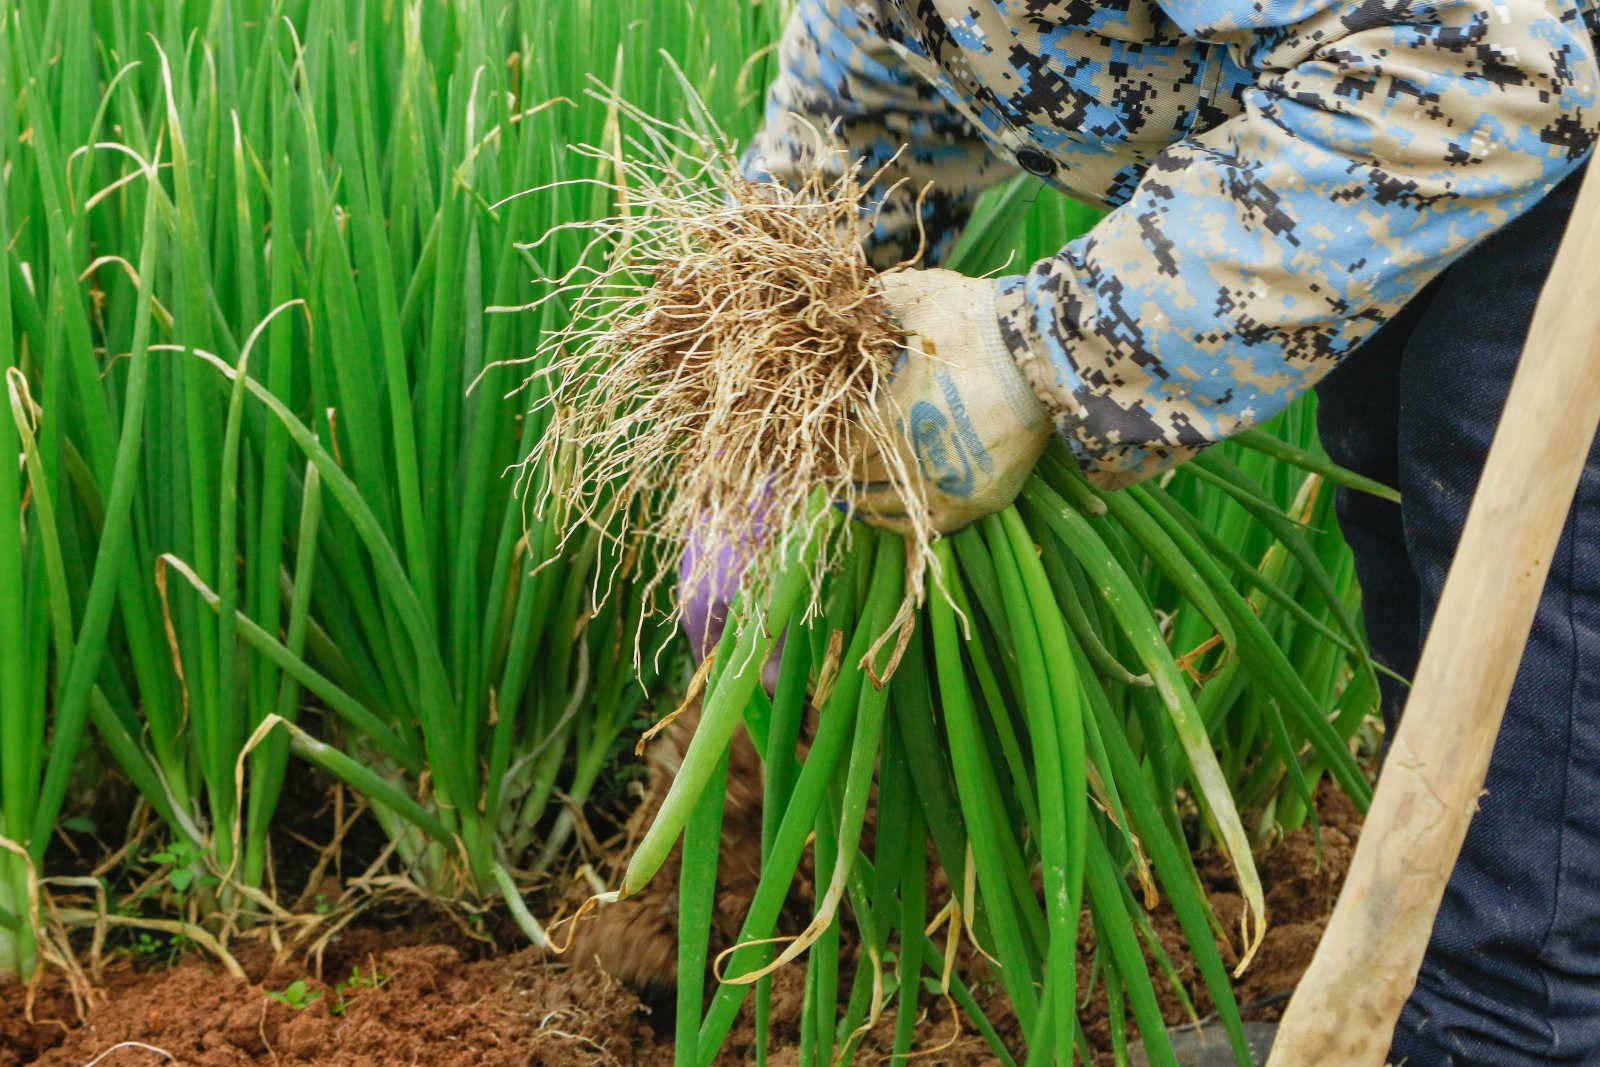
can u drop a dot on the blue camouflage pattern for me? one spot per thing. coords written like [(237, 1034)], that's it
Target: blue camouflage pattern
[(1282, 176)]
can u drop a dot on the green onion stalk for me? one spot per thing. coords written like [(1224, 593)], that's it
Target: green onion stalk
[(268, 507)]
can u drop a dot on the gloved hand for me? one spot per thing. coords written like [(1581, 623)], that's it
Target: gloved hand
[(971, 428), (971, 431)]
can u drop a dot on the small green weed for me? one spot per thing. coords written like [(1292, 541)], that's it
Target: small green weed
[(186, 861), (154, 951), (297, 995), (344, 991)]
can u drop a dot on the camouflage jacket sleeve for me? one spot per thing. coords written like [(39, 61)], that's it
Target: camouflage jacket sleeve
[(842, 92), (1377, 142)]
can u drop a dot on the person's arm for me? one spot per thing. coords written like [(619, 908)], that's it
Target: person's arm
[(842, 87), (1379, 142)]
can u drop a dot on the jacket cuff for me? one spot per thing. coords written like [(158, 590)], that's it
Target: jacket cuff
[(1009, 334)]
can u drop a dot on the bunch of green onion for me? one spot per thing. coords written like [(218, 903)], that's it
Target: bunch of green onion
[(1041, 732)]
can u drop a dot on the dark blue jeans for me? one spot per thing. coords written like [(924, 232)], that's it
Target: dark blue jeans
[(1512, 973)]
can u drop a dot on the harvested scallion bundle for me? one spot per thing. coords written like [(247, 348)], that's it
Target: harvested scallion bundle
[(1041, 728)]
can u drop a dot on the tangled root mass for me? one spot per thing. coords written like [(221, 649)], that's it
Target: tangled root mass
[(723, 360)]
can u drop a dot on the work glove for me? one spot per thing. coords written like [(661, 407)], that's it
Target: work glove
[(970, 428)]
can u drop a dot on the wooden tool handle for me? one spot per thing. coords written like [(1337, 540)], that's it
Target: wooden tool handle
[(1344, 1011)]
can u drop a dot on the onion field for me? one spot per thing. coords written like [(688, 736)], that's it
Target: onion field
[(275, 298)]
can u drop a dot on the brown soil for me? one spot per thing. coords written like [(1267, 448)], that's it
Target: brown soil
[(434, 1008), (609, 1000), (1300, 897)]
